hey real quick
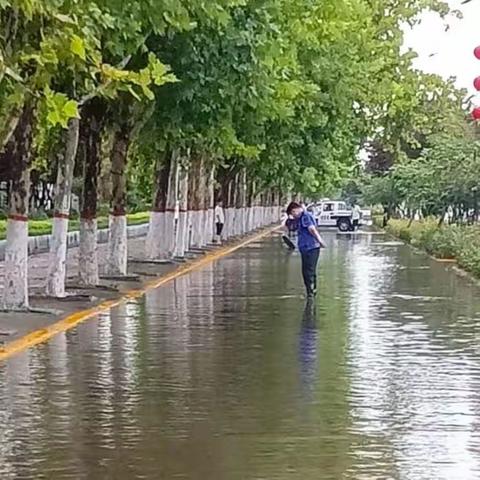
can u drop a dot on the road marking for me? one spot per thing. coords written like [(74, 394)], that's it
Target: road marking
[(43, 335)]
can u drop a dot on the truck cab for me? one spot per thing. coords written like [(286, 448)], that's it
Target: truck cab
[(329, 213)]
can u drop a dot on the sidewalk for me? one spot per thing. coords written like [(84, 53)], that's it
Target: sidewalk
[(14, 325)]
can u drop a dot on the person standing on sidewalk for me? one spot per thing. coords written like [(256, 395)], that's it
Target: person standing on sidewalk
[(356, 216), (309, 244), (219, 221)]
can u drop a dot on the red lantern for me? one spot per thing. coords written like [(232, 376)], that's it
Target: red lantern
[(476, 83), (476, 113), (476, 52)]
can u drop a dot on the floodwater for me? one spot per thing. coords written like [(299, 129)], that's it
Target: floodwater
[(224, 375)]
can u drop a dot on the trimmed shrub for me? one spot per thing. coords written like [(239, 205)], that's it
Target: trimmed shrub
[(44, 227), (460, 242)]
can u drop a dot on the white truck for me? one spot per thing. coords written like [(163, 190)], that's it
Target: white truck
[(329, 213)]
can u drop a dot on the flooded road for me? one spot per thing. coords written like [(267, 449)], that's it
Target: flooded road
[(224, 375)]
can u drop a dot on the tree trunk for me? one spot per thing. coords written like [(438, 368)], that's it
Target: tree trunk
[(171, 204), (90, 140), (155, 244), (191, 206), (196, 193), (63, 194), (223, 180), (232, 217), (208, 204), (105, 179), (17, 155), (263, 211), (243, 202), (250, 206), (10, 125), (182, 225), (117, 235), (211, 231)]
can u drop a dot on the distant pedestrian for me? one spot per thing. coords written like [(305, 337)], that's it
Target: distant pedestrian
[(356, 215), (219, 221), (309, 244)]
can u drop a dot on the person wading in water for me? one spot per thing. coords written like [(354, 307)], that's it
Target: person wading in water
[(309, 244)]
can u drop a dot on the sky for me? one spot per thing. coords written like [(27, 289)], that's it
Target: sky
[(452, 49)]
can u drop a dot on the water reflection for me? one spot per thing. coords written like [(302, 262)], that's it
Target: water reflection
[(225, 374), (308, 350)]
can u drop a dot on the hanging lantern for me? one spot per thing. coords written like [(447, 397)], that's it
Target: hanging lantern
[(476, 113)]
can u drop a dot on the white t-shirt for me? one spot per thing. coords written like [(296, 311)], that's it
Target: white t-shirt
[(356, 213), (219, 215)]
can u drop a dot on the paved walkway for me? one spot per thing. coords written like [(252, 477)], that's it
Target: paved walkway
[(13, 325)]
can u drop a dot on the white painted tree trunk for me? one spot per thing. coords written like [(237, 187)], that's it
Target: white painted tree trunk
[(117, 260), (88, 261), (189, 235), (202, 225), (210, 230), (16, 157), (182, 234), (156, 227), (181, 243), (245, 220), (172, 195), (212, 234), (259, 216), (252, 218), (207, 227), (238, 221), (90, 140), (229, 219), (232, 221), (117, 246), (57, 270), (196, 224), (241, 219), (15, 295), (235, 222), (169, 234)]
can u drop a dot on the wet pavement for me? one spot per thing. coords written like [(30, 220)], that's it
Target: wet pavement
[(224, 374)]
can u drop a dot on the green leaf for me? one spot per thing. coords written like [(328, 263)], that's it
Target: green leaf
[(9, 72), (65, 19), (148, 93), (77, 47), (70, 109)]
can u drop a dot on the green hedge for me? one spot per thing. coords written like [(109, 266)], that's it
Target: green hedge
[(459, 242), (44, 227)]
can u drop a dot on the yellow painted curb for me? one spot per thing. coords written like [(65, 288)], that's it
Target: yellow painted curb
[(41, 336)]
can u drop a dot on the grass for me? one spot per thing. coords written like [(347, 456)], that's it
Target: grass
[(44, 227), (456, 242)]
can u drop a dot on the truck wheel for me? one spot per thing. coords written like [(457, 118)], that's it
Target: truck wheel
[(344, 224)]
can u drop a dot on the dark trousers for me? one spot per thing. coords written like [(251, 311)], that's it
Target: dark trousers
[(219, 228), (309, 269)]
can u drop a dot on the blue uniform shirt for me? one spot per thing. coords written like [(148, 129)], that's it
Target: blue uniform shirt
[(306, 241)]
